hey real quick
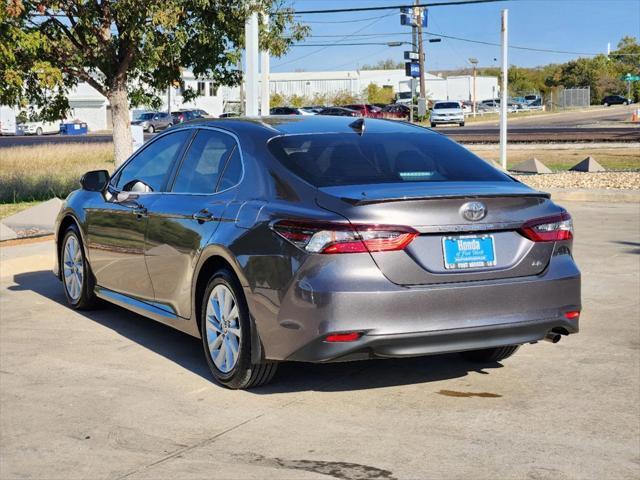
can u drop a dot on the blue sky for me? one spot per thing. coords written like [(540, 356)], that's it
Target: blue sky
[(568, 25)]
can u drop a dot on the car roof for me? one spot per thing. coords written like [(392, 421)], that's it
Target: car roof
[(299, 124)]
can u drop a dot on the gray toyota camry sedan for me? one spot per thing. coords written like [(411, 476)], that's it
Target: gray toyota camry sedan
[(321, 239)]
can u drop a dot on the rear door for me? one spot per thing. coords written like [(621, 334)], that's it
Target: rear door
[(183, 220)]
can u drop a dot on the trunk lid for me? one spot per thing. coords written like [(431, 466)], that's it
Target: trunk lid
[(434, 210)]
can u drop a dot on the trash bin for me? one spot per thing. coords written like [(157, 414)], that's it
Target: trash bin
[(73, 128)]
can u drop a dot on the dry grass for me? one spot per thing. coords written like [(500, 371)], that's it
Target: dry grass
[(563, 159), (47, 171)]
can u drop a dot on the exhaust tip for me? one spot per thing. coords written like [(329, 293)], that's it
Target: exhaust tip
[(552, 337)]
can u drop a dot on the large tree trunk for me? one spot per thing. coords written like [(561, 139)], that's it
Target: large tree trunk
[(122, 140)]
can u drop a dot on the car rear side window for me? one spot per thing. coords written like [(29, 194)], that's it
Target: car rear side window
[(333, 159), (152, 164), (203, 162), (232, 172)]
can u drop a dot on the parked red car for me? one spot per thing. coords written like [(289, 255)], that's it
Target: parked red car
[(395, 110), (365, 110)]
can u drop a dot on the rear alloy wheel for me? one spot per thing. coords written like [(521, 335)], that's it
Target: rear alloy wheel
[(605, 104), (76, 274), (151, 129), (490, 354), (433, 125), (461, 124), (39, 131), (226, 335)]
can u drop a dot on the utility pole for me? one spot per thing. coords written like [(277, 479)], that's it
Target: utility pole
[(252, 63), (422, 103), (414, 42), (264, 72), (169, 100), (504, 93)]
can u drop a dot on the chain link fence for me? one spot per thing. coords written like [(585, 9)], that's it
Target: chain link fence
[(573, 97)]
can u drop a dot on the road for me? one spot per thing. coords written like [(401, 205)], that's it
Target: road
[(599, 124), (109, 394)]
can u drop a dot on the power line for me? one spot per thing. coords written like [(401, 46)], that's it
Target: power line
[(352, 21), (325, 47), (394, 7), (452, 37)]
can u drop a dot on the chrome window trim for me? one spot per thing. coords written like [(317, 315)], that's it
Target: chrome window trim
[(163, 134)]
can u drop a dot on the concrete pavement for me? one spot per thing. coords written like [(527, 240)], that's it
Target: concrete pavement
[(109, 394)]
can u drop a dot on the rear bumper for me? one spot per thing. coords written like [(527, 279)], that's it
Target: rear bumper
[(430, 343), (396, 321)]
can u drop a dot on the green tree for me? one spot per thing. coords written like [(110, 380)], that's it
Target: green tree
[(343, 97), (128, 50), (376, 94), (277, 100), (388, 64)]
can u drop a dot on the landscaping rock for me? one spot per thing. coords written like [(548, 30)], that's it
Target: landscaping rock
[(601, 180), (41, 217), (589, 164), (532, 165)]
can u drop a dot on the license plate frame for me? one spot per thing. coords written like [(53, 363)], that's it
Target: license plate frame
[(468, 258)]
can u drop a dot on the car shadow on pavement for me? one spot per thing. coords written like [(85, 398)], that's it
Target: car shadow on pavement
[(186, 351), (635, 246)]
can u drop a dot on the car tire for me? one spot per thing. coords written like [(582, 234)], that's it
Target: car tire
[(461, 124), (605, 104), (39, 131), (626, 103), (232, 329), (433, 125), (151, 129), (490, 354), (76, 275)]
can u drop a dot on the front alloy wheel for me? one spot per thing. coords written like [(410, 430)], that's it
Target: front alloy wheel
[(76, 274), (226, 335)]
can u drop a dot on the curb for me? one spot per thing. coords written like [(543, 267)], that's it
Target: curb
[(594, 195)]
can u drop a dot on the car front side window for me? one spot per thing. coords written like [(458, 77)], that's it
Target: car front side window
[(152, 165)]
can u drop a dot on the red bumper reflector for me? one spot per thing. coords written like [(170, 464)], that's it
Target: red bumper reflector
[(343, 337), (573, 315)]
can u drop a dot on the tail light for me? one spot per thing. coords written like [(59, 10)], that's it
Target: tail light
[(549, 229), (343, 237), (343, 337)]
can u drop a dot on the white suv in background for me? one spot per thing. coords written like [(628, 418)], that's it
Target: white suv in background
[(447, 112)]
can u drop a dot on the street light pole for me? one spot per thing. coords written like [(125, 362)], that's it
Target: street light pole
[(504, 93), (474, 62)]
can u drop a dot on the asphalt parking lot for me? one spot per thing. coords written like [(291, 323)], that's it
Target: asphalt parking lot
[(109, 394)]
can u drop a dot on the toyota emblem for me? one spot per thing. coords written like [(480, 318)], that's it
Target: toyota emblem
[(473, 211)]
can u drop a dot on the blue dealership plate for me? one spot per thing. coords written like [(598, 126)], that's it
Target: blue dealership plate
[(468, 251)]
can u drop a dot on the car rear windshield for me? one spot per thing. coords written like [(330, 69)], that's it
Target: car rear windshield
[(332, 159), (446, 105)]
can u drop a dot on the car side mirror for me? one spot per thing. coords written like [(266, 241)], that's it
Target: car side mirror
[(95, 180)]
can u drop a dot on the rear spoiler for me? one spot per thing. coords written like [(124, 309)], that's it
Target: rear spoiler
[(370, 201)]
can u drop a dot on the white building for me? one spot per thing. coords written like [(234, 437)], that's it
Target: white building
[(93, 108)]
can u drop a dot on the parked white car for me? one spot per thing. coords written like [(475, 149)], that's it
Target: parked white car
[(41, 128), (447, 112), (7, 121)]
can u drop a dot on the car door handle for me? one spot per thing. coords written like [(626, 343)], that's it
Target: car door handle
[(203, 215), (140, 211)]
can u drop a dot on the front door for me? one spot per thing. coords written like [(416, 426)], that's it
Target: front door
[(184, 219), (116, 227)]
